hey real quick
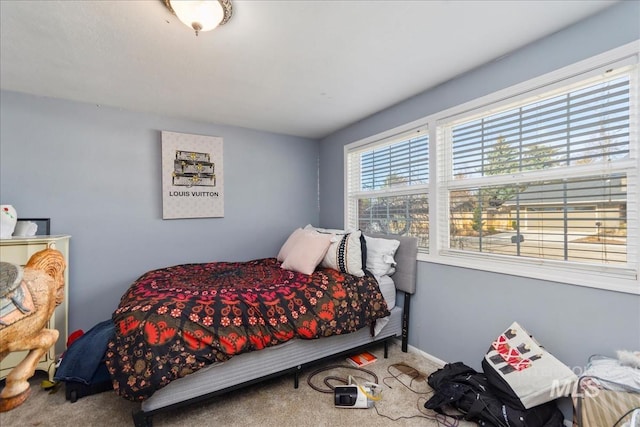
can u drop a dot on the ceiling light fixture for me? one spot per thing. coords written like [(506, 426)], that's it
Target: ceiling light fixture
[(201, 15)]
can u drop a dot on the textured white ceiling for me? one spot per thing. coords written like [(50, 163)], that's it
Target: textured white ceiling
[(305, 68)]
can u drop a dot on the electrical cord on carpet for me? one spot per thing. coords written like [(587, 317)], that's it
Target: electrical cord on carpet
[(327, 379), (629, 412), (409, 371), (403, 369), (415, 376)]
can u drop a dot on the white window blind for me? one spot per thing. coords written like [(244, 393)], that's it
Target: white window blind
[(552, 178), (387, 186)]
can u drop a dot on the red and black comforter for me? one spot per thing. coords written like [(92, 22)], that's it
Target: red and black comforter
[(173, 321)]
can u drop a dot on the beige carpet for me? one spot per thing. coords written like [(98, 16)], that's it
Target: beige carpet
[(272, 403)]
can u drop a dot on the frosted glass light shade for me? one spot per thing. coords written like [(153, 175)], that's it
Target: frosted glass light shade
[(201, 15)]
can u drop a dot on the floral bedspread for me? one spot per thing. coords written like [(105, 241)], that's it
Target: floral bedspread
[(173, 321)]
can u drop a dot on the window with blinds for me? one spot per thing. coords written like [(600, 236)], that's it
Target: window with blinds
[(387, 186), (538, 180), (553, 177)]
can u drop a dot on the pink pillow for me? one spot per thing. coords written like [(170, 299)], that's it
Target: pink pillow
[(288, 245), (307, 252)]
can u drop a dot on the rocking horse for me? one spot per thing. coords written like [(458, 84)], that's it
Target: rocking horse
[(27, 300)]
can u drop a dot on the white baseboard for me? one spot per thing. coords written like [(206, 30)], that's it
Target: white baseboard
[(428, 356)]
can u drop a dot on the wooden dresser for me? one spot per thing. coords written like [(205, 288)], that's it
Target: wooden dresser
[(18, 250)]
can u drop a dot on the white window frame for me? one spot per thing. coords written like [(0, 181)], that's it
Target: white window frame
[(398, 135), (590, 275)]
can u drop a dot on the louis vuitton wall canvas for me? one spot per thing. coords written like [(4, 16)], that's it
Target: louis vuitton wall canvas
[(192, 176)]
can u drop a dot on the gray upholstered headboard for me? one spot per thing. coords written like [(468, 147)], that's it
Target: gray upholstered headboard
[(406, 262)]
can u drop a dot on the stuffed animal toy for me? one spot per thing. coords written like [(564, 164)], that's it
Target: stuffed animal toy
[(629, 358), (8, 219)]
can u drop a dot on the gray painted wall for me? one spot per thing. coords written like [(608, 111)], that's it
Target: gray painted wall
[(96, 172), (456, 312)]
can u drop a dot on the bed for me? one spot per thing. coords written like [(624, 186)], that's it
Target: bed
[(203, 374)]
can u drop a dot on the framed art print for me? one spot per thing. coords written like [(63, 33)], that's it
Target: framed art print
[(24, 227), (192, 176)]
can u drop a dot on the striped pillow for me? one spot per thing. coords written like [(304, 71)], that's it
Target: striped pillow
[(345, 254)]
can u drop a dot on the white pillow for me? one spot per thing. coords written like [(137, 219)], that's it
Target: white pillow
[(388, 289), (327, 230), (288, 245), (307, 252), (380, 253), (345, 254)]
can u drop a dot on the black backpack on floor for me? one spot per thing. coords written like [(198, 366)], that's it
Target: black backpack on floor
[(458, 386)]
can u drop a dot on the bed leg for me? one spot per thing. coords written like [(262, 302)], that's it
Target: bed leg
[(296, 378), (386, 349), (141, 420), (405, 322)]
